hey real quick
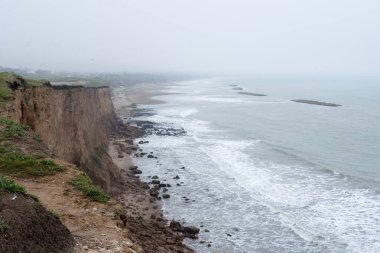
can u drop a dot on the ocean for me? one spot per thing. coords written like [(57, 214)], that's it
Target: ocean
[(265, 174)]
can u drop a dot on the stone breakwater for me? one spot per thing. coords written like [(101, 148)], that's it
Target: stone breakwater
[(314, 102)]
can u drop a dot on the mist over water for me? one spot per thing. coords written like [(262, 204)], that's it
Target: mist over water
[(265, 174)]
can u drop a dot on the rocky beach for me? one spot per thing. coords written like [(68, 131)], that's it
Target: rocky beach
[(143, 200)]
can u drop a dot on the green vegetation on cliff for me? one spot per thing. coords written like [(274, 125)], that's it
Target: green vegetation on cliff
[(15, 163), (23, 166), (10, 81), (8, 185), (84, 184), (11, 129)]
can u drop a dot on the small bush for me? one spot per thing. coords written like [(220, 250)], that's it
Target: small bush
[(20, 165), (84, 184), (12, 129), (3, 225), (8, 185)]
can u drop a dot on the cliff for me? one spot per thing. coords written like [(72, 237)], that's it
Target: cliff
[(74, 122)]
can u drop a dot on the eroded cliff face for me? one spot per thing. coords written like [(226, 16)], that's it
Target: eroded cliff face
[(75, 123)]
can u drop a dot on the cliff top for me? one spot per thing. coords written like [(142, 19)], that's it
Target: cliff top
[(11, 81)]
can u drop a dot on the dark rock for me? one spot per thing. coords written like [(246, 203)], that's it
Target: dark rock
[(155, 177), (129, 142), (155, 181), (133, 167), (175, 225), (162, 185), (252, 94), (137, 172), (176, 177), (151, 156), (314, 102), (153, 192), (165, 196), (191, 230)]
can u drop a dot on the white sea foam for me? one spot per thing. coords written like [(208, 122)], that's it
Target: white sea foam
[(278, 207)]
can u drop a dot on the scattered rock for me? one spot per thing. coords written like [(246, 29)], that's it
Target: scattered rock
[(153, 192), (191, 230), (133, 167), (165, 196), (137, 172), (176, 177), (175, 225)]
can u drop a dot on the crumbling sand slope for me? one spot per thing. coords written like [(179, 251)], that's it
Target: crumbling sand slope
[(94, 225)]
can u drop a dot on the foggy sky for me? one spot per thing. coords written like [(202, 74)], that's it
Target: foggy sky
[(284, 37)]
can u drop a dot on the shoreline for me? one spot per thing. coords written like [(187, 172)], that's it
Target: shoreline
[(145, 218)]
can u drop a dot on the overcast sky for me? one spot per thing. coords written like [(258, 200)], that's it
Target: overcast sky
[(292, 37)]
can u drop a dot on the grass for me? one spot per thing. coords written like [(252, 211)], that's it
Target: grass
[(6, 77), (3, 225), (8, 185), (11, 129), (84, 184), (23, 166)]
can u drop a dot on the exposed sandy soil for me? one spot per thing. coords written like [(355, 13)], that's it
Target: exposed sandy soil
[(93, 225)]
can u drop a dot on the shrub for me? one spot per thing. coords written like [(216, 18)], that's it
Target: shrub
[(11, 129), (20, 165), (8, 185), (84, 184)]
